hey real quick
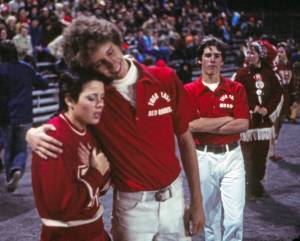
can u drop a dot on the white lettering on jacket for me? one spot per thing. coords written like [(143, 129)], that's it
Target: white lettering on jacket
[(154, 97), (225, 97), (161, 111)]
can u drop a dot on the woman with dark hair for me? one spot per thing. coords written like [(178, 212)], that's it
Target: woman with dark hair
[(283, 67), (67, 188), (265, 101)]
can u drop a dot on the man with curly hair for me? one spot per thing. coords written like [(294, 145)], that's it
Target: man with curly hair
[(144, 108)]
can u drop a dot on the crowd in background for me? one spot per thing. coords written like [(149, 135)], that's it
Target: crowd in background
[(153, 30)]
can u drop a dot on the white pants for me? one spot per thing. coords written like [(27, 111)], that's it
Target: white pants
[(147, 219), (223, 186)]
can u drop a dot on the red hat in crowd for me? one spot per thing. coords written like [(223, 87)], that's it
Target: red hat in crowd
[(66, 20)]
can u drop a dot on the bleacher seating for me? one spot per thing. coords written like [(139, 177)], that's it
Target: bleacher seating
[(45, 102)]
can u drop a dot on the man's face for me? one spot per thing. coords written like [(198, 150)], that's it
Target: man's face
[(253, 57), (24, 31), (211, 61), (108, 60)]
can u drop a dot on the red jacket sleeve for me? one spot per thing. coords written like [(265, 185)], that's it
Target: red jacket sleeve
[(241, 109)]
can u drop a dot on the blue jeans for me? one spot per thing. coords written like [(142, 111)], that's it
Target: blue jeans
[(15, 148)]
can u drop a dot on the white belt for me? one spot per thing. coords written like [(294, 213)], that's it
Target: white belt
[(72, 223)]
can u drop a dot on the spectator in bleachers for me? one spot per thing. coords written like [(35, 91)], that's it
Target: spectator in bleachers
[(33, 11), (59, 11), (4, 10), (51, 29), (18, 78), (11, 24), (22, 16), (35, 31), (23, 42), (3, 34), (55, 46)]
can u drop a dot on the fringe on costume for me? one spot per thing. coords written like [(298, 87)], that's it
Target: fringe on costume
[(273, 117), (259, 134)]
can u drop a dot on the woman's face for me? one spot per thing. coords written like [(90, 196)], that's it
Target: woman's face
[(281, 53), (89, 107), (253, 57), (3, 34), (22, 14)]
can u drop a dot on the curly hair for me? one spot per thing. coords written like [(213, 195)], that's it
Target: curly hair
[(82, 38)]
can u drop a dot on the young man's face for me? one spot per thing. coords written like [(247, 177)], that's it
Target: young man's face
[(211, 61), (108, 60)]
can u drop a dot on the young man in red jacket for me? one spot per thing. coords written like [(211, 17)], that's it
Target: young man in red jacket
[(220, 115)]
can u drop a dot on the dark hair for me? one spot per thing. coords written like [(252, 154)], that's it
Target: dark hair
[(71, 84), (84, 35), (209, 41), (8, 51), (286, 48)]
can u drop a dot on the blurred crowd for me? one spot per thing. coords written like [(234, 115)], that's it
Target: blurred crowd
[(152, 29)]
